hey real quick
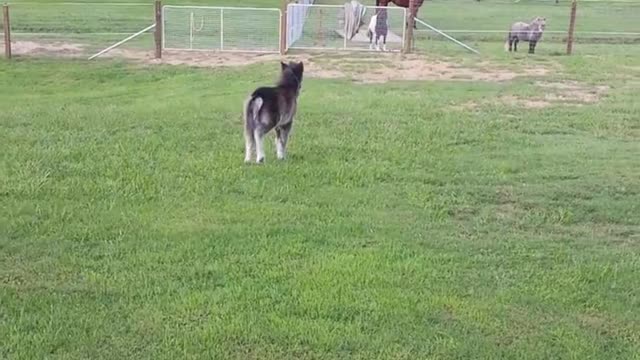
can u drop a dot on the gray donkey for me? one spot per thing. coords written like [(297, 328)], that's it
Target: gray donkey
[(521, 31)]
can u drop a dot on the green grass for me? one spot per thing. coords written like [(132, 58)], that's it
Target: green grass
[(401, 226)]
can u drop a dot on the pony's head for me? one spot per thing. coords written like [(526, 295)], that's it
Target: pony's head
[(291, 74), (539, 23)]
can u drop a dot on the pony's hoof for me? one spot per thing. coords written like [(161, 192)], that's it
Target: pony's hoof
[(260, 161)]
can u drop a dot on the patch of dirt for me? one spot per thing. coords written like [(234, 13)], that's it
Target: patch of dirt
[(384, 68), (569, 93), (380, 68), (524, 103), (573, 91), (509, 100), (506, 207), (413, 68), (57, 48)]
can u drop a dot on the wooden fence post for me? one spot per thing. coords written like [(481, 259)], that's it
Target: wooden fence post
[(7, 31), (158, 30), (410, 24), (572, 26), (283, 27)]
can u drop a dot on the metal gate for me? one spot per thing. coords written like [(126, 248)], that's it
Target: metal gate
[(325, 27), (206, 28)]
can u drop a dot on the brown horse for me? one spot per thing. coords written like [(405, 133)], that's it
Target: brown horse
[(404, 4)]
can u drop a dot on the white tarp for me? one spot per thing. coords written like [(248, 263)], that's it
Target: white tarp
[(353, 18)]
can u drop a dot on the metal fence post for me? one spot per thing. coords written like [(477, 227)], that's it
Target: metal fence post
[(410, 24), (572, 27), (158, 29), (221, 29), (283, 27), (7, 31)]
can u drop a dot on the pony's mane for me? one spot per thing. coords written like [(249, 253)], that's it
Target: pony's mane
[(537, 20), (288, 79)]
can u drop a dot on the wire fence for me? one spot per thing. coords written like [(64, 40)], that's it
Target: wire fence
[(78, 29), (597, 21), (221, 28), (82, 29)]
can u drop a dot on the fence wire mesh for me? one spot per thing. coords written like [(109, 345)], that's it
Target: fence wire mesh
[(78, 29), (221, 28), (488, 21), (322, 27)]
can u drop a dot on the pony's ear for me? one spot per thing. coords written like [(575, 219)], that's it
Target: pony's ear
[(283, 66), (298, 68)]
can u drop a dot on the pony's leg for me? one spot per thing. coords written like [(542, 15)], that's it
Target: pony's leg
[(279, 144), (282, 136), (515, 44), (413, 41), (258, 136), (371, 35), (377, 42), (415, 15), (510, 44), (249, 145), (532, 47)]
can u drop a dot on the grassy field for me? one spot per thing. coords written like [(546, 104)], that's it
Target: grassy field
[(424, 219)]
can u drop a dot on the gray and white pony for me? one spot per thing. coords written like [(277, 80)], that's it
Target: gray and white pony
[(378, 27), (530, 32)]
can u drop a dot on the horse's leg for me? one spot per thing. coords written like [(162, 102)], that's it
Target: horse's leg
[(515, 44), (384, 42), (532, 47), (510, 44), (370, 34)]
